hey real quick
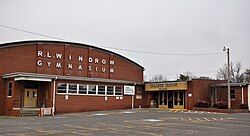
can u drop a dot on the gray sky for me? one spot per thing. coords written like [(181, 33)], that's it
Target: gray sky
[(166, 26)]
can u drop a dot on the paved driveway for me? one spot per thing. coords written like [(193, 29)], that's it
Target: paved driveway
[(146, 122)]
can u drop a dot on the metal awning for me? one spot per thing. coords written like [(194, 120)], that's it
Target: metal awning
[(48, 78)]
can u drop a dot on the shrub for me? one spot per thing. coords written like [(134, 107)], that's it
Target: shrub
[(243, 106), (215, 105), (221, 105), (202, 104)]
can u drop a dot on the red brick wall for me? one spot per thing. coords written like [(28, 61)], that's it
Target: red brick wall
[(238, 96), (77, 103), (200, 90)]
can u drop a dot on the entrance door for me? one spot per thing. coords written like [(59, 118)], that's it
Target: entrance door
[(162, 99), (170, 99), (179, 99), (30, 98)]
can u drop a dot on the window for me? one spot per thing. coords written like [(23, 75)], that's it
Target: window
[(82, 89), (10, 89), (72, 88), (118, 90), (62, 88), (101, 89), (86, 89), (232, 94), (92, 89), (110, 90)]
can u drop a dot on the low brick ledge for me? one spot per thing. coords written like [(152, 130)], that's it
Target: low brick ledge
[(221, 110)]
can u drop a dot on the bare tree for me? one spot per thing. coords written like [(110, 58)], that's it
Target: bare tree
[(158, 78), (236, 74)]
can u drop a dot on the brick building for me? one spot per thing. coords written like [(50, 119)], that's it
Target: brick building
[(239, 94), (67, 77), (180, 95)]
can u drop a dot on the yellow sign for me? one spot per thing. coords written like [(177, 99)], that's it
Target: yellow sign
[(166, 86)]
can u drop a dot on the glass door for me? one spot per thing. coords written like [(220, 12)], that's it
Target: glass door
[(179, 99), (162, 99)]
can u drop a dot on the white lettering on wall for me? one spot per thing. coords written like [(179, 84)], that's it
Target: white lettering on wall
[(103, 70), (48, 55), (58, 56), (98, 67), (80, 67), (90, 60), (39, 53), (70, 57), (96, 60), (70, 66), (48, 63), (58, 65), (80, 59), (90, 68), (104, 61), (39, 63), (112, 62), (111, 70)]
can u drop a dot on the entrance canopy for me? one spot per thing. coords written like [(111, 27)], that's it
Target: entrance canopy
[(166, 86)]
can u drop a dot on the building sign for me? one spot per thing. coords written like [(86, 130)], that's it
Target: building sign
[(129, 90), (166, 86), (59, 57)]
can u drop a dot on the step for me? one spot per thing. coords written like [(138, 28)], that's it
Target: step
[(30, 112)]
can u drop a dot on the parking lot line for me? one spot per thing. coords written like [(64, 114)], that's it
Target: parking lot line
[(116, 125), (83, 128)]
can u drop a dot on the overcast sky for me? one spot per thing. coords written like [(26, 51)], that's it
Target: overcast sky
[(160, 26)]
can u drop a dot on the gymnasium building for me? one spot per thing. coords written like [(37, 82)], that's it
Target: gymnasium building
[(66, 77)]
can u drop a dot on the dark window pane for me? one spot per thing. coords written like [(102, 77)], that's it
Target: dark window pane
[(118, 90), (72, 88), (101, 89), (82, 89), (110, 90), (62, 87), (10, 89)]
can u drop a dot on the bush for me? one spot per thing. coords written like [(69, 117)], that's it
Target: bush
[(222, 105), (243, 106), (215, 105), (202, 104)]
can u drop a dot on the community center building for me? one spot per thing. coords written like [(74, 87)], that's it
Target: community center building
[(66, 77), (187, 94)]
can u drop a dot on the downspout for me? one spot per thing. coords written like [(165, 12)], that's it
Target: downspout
[(242, 94), (54, 97)]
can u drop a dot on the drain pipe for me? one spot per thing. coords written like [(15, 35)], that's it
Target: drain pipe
[(54, 97), (242, 94)]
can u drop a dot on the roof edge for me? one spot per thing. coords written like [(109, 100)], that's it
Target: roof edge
[(8, 44)]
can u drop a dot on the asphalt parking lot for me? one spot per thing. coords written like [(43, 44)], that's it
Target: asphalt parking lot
[(146, 122)]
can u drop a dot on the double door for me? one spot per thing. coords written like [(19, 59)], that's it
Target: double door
[(30, 98), (171, 99)]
